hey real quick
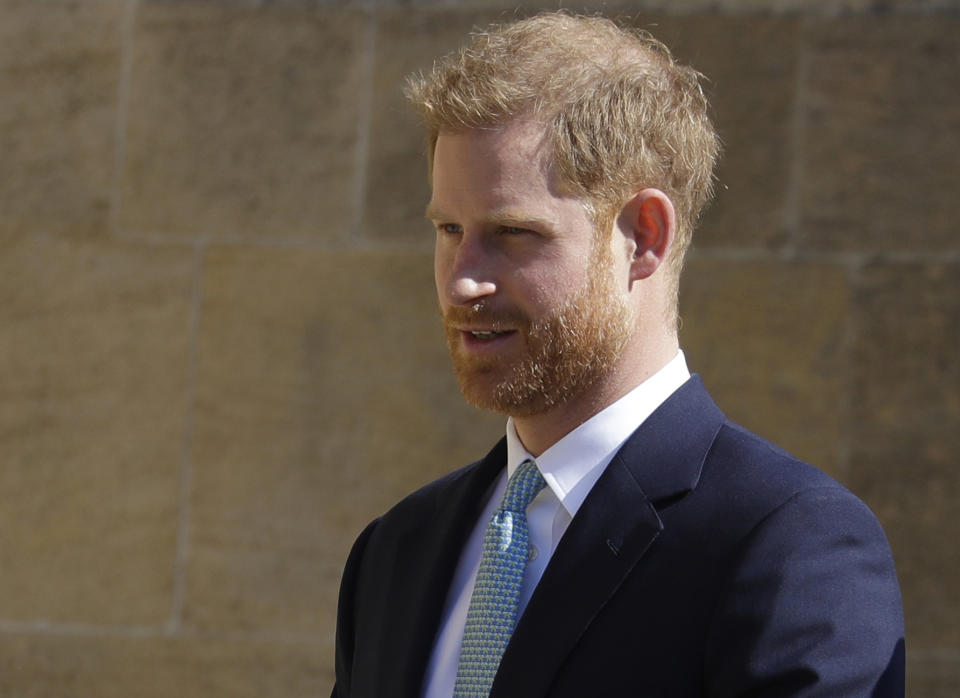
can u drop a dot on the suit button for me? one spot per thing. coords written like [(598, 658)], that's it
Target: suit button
[(532, 553)]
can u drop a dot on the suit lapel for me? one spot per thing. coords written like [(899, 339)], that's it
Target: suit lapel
[(615, 526), (596, 553), (431, 552)]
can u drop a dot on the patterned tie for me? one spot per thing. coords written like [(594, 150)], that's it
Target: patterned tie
[(493, 607)]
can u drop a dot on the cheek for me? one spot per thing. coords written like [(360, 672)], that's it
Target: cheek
[(439, 271), (545, 291)]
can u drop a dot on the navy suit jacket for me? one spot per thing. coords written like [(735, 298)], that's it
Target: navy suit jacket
[(704, 562)]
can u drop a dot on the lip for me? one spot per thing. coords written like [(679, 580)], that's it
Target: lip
[(476, 345)]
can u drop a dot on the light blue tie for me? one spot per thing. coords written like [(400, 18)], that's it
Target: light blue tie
[(493, 607)]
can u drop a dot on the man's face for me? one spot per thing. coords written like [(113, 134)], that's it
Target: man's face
[(533, 312)]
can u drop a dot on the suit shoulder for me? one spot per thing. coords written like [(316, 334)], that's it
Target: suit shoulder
[(803, 563), (458, 494), (746, 481), (427, 497), (746, 459), (467, 481)]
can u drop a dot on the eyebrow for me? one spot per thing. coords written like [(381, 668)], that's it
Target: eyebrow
[(505, 218), (434, 214)]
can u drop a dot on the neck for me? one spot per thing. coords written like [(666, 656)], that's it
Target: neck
[(539, 432)]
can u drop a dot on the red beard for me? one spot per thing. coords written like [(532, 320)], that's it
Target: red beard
[(549, 360)]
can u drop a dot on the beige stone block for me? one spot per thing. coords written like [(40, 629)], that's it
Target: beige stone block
[(397, 187), (324, 395), (48, 666), (59, 73), (750, 64), (769, 339), (882, 124), (243, 121), (93, 363), (932, 674), (906, 435)]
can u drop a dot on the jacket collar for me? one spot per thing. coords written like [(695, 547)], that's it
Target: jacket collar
[(665, 455), (616, 525)]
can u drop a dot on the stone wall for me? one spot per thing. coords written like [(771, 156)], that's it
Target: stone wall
[(219, 350)]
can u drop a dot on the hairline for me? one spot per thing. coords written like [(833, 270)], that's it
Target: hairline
[(601, 213)]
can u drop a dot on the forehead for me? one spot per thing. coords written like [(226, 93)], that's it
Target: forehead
[(503, 166)]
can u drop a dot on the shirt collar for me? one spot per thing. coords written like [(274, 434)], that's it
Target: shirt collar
[(573, 465)]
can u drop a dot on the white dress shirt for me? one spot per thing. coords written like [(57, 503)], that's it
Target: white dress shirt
[(570, 468)]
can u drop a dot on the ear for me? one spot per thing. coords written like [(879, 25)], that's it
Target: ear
[(648, 221)]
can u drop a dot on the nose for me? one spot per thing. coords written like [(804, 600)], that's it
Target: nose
[(465, 290), (464, 271)]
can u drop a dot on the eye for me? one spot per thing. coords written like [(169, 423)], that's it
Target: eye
[(513, 230), (449, 228)]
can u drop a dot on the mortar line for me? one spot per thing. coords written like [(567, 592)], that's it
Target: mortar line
[(182, 551), (364, 122), (337, 244), (851, 330), (88, 630), (123, 105), (792, 215), (66, 629), (941, 654), (843, 258)]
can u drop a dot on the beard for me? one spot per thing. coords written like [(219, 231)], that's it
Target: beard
[(562, 354)]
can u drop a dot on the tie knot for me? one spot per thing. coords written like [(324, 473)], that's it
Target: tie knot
[(525, 483)]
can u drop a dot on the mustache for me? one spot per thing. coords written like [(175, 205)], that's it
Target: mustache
[(481, 314)]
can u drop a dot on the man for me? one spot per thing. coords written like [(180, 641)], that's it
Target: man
[(624, 539)]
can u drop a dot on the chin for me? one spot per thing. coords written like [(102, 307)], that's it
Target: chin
[(518, 395)]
